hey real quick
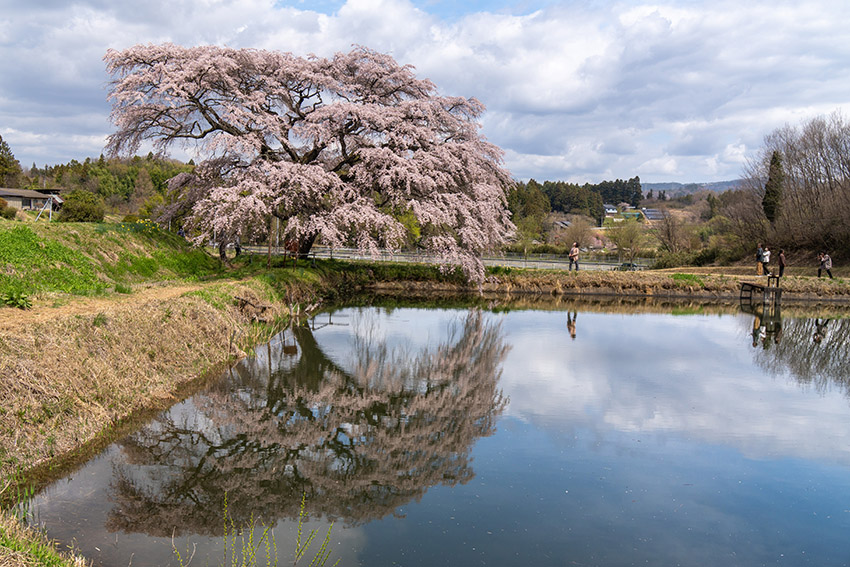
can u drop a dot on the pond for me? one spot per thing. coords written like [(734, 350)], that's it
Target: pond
[(569, 434)]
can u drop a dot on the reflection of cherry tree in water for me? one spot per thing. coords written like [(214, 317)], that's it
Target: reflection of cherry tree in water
[(360, 442), (813, 351)]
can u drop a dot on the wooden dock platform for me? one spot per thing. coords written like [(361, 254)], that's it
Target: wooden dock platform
[(767, 293)]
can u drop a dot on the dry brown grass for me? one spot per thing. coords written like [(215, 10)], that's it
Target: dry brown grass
[(69, 377), (673, 283), (51, 307), (704, 283)]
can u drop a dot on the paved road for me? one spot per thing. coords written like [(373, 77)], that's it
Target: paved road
[(534, 261)]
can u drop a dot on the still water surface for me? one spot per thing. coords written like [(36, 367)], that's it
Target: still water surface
[(471, 437)]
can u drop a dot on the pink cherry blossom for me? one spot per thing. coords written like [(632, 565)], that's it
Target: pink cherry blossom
[(337, 149)]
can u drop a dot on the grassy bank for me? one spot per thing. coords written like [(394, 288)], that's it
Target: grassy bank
[(125, 320), (91, 259), (719, 284), (122, 320), (50, 263)]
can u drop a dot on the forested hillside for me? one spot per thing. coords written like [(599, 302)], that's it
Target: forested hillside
[(133, 185), (531, 202), (671, 190)]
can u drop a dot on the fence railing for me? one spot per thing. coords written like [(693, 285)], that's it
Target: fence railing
[(507, 260)]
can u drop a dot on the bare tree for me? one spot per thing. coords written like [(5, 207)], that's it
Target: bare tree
[(815, 189), (813, 351), (629, 237), (671, 233), (580, 230)]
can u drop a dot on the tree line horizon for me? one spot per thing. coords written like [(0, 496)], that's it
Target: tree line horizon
[(138, 185), (123, 183)]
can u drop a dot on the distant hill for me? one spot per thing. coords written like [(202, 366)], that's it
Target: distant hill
[(677, 189)]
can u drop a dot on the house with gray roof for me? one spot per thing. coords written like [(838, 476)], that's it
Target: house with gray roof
[(26, 199), (653, 214)]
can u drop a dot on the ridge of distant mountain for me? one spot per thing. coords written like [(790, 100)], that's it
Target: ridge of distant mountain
[(674, 189)]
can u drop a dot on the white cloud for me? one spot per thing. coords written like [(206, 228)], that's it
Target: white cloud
[(625, 373), (634, 374), (664, 167), (675, 91)]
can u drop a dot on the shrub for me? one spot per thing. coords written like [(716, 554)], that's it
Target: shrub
[(6, 211), (121, 288), (16, 299), (672, 260), (703, 257), (688, 280), (82, 206), (130, 218), (517, 248), (499, 270)]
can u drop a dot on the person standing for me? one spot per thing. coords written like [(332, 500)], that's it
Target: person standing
[(759, 260), (825, 264), (765, 260), (571, 324), (574, 256), (781, 262)]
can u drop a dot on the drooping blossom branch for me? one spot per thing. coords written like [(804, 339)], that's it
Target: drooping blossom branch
[(338, 149)]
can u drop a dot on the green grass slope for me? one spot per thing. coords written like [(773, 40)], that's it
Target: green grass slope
[(85, 259)]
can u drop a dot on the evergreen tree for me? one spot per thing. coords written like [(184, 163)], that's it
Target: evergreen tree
[(713, 204), (773, 188), (634, 191), (528, 201), (10, 168), (620, 191)]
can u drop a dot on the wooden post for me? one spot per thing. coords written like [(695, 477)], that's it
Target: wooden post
[(269, 259)]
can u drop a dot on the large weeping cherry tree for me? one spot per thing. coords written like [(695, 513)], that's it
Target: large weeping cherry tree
[(343, 149)]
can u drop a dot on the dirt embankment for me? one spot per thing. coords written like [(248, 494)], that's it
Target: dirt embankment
[(703, 285), (72, 374)]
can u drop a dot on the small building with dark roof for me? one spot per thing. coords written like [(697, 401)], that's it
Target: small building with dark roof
[(25, 199), (653, 214)]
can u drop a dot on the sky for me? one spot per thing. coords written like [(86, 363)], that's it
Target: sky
[(581, 91)]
